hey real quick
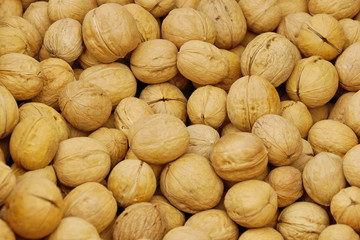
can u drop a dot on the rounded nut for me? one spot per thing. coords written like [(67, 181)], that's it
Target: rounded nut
[(351, 30), (188, 233), (291, 24), (37, 15), (338, 111), (261, 234), (349, 8), (351, 166), (7, 182), (337, 231), (60, 9), (5, 231), (347, 68), (9, 112)]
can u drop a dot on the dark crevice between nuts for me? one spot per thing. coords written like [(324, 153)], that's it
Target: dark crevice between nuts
[(166, 99), (45, 199), (323, 38)]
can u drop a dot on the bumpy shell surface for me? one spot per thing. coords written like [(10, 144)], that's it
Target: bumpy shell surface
[(347, 66), (188, 233), (305, 156), (7, 182), (351, 166), (292, 6), (338, 111), (158, 8), (47, 172), (10, 8), (261, 234), (337, 9), (9, 113), (37, 14), (87, 60), (338, 231), (351, 30), (352, 113), (59, 9), (291, 24)]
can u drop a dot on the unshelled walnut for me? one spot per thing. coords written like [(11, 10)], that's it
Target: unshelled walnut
[(37, 14), (187, 3), (47, 172), (351, 166), (7, 182), (321, 112), (9, 112), (87, 60), (10, 8), (352, 113), (290, 6), (349, 8), (261, 234), (347, 68), (351, 30), (158, 8), (338, 231), (291, 24), (185, 232), (338, 111), (59, 9)]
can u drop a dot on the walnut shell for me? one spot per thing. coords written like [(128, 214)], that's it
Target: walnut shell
[(47, 172), (116, 79), (87, 60), (5, 231), (321, 35), (84, 105), (304, 157), (351, 166), (140, 221), (37, 15), (216, 223), (92, 202), (188, 233), (320, 113), (302, 220), (314, 81), (352, 113), (338, 231), (187, 3), (87, 158), (66, 230), (104, 24), (7, 182), (63, 39), (158, 8), (270, 56), (261, 234), (349, 8), (351, 30), (230, 23), (347, 65), (338, 111), (251, 204), (60, 9), (21, 75), (9, 113), (290, 6), (191, 189), (331, 136), (249, 98), (10, 8)]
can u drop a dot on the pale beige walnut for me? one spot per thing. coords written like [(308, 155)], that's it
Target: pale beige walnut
[(132, 181), (281, 138), (338, 231), (87, 158), (110, 32), (321, 35), (229, 128), (249, 98), (122, 2), (56, 74), (74, 228), (7, 182), (332, 136), (292, 6), (216, 223), (128, 111), (352, 31), (264, 233), (207, 105), (87, 60), (115, 142), (234, 69), (154, 61), (351, 166), (165, 98), (35, 110), (47, 172), (291, 110), (302, 220), (63, 39), (352, 113), (305, 156), (345, 207), (158, 8), (291, 24), (21, 75), (239, 156), (321, 112), (347, 66), (338, 111), (174, 217), (140, 221), (202, 63), (9, 116), (34, 209), (185, 24), (337, 9), (191, 189), (251, 204), (187, 3), (314, 82), (116, 79), (17, 35), (230, 23), (261, 15), (146, 23), (5, 231), (34, 143), (37, 14), (270, 56), (186, 232), (85, 105), (10, 8), (92, 202), (75, 9), (202, 139)]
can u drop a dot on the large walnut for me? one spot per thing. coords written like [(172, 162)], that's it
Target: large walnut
[(37, 14)]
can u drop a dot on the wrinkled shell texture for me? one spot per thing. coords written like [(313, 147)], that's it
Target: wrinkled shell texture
[(338, 111), (10, 8), (158, 8), (59, 9), (9, 112), (37, 15), (338, 9), (7, 182), (292, 6), (347, 66), (291, 24), (352, 113), (261, 234), (351, 166), (351, 30), (338, 231)]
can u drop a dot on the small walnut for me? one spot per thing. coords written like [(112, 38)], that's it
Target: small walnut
[(188, 233), (347, 66), (338, 111), (75, 9), (349, 8), (9, 113), (158, 8), (264, 233), (7, 182), (291, 24), (37, 14), (351, 30), (351, 166), (47, 172)]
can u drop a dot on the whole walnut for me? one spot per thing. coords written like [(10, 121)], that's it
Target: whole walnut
[(216, 223), (63, 39), (351, 166), (185, 232), (338, 111), (251, 203), (87, 60), (56, 74), (154, 61), (87, 158), (207, 105), (158, 8), (230, 23), (37, 14), (191, 189), (338, 231), (10, 8), (140, 221), (344, 207), (116, 79), (351, 30), (291, 24), (314, 81), (305, 156), (261, 19), (21, 75), (75, 9), (347, 65), (104, 24), (9, 113), (17, 35), (185, 24), (352, 113), (249, 98), (84, 105), (332, 136), (270, 56), (92, 202), (349, 8), (35, 208), (290, 6), (264, 233), (281, 138), (47, 172), (321, 35), (5, 231), (67, 231), (7, 182)]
